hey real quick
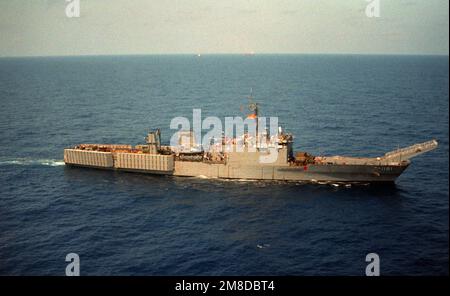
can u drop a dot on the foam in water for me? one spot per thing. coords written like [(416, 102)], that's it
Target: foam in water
[(23, 161)]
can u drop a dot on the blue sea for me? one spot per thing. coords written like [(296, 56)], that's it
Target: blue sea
[(135, 224)]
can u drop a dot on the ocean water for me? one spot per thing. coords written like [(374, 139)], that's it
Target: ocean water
[(134, 224)]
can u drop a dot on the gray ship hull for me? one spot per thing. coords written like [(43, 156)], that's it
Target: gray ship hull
[(238, 170), (246, 164), (338, 173)]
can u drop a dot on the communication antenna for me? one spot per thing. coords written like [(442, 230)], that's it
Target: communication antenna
[(250, 97), (253, 106)]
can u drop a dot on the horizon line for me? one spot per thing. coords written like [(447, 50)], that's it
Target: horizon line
[(199, 54)]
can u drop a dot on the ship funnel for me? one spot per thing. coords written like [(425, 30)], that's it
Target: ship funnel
[(411, 151)]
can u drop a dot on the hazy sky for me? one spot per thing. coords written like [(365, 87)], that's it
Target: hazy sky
[(41, 27)]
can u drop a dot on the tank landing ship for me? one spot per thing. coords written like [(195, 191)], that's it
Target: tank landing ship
[(223, 161)]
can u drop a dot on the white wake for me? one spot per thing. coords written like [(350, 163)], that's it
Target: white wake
[(26, 161)]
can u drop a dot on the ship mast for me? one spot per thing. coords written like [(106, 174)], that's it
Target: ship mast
[(254, 107)]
